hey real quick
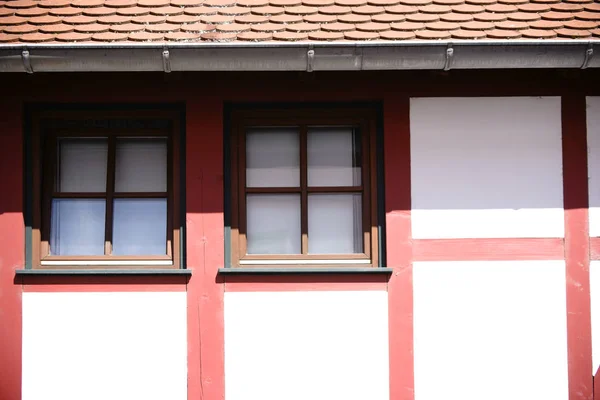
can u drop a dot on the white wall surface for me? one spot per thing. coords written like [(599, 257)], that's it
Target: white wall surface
[(595, 304), (117, 346), (486, 167), (306, 345), (491, 330), (593, 139)]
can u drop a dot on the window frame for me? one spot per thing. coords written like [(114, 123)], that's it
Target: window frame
[(363, 118), (44, 151)]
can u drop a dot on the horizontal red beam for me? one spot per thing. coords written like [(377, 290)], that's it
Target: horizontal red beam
[(488, 249)]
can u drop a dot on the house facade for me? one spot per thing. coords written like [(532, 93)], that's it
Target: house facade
[(267, 209)]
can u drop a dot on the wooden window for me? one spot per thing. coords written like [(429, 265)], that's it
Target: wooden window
[(303, 187), (106, 190)]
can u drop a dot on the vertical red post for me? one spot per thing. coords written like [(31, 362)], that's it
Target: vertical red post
[(577, 247), (399, 248), (12, 237), (205, 248)]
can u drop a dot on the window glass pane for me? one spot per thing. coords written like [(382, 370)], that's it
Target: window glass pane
[(335, 223), (334, 157), (140, 227), (141, 165), (82, 165), (273, 224), (77, 227), (272, 157)]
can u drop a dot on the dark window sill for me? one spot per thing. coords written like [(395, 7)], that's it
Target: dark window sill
[(302, 270), (105, 272)]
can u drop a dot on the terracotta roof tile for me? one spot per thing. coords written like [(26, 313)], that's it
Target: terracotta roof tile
[(432, 35), (489, 17), (368, 10), (65, 11), (73, 37), (183, 19), (234, 10), (219, 36), (354, 18), (290, 36), (199, 27), (290, 20), (502, 34), (91, 28), (31, 12), (145, 36), (387, 18), (286, 19), (325, 36), (422, 17), (361, 35), (442, 26), (572, 33), (397, 35), (538, 33), (181, 36), (127, 27), (57, 28), (407, 26), (320, 18), (255, 36), (20, 29), (338, 27), (37, 37), (133, 11), (233, 27), (456, 17), (467, 34)]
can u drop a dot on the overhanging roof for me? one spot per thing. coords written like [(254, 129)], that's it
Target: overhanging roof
[(300, 56)]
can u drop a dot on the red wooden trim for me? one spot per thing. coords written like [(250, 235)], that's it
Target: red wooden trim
[(595, 248), (205, 252), (398, 244), (12, 237), (577, 247), (488, 249), (94, 283), (294, 283)]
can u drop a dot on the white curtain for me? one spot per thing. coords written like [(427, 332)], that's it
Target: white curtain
[(77, 227), (272, 157)]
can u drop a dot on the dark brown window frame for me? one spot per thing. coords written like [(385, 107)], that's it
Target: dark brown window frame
[(46, 127), (362, 118)]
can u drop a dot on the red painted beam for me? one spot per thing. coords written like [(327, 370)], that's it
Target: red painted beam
[(577, 247), (488, 249), (399, 248)]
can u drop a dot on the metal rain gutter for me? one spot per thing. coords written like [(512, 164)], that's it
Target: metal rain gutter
[(300, 56)]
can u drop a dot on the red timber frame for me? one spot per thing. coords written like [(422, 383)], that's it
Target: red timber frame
[(204, 96)]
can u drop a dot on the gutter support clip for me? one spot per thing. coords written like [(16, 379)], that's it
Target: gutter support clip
[(310, 58), (449, 55), (589, 53), (25, 57), (166, 60)]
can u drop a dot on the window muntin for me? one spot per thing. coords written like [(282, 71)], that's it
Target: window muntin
[(302, 189), (107, 192)]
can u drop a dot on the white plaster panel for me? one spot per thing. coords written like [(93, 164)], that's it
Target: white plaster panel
[(593, 140), (486, 167), (98, 346), (492, 330), (595, 310), (306, 345)]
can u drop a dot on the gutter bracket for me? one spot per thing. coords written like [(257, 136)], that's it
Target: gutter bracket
[(589, 53), (166, 60), (310, 58), (25, 57), (449, 55)]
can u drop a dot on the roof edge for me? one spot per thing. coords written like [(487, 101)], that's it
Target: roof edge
[(299, 56)]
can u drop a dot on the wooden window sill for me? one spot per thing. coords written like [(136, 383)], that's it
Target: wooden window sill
[(96, 271), (303, 270)]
